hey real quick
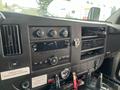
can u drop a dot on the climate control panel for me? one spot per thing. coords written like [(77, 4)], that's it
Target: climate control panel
[(46, 32)]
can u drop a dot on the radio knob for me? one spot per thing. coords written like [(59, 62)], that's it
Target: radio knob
[(40, 33), (53, 60), (64, 33), (52, 33)]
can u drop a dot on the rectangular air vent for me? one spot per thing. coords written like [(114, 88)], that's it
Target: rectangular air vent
[(11, 40)]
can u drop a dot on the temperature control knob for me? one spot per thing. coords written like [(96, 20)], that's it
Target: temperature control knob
[(64, 33), (53, 60), (52, 33), (40, 33)]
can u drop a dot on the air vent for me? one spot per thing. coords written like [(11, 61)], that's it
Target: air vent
[(11, 40)]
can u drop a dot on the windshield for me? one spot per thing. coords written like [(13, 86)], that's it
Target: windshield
[(98, 10)]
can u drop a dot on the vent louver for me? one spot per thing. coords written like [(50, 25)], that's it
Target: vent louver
[(11, 40)]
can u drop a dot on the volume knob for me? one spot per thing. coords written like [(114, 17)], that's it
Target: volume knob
[(53, 60)]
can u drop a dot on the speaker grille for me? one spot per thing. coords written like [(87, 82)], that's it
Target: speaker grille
[(11, 40)]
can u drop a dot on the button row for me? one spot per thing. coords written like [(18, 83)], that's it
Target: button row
[(52, 60), (64, 57)]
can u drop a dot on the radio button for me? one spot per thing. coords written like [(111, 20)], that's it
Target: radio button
[(34, 47), (40, 62), (35, 63), (46, 61)]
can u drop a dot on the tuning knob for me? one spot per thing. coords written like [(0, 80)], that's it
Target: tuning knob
[(52, 33), (64, 33), (53, 60), (40, 33)]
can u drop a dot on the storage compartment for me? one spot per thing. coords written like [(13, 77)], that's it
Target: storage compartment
[(91, 53), (93, 42), (92, 32)]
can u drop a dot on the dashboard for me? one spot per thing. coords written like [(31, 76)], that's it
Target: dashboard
[(35, 49)]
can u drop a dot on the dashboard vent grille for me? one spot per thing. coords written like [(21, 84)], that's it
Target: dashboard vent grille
[(11, 40)]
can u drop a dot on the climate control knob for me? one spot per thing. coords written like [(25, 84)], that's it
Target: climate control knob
[(52, 33), (53, 60), (40, 33), (64, 33)]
